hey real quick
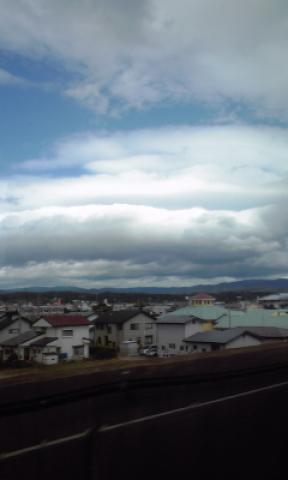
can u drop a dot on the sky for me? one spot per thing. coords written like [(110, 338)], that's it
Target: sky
[(143, 142)]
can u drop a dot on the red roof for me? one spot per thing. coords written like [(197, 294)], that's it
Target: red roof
[(202, 296), (66, 320)]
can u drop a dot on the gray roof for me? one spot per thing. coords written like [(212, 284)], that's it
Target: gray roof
[(255, 317), (177, 319), (119, 317), (227, 335), (8, 319), (274, 297), (206, 313), (42, 342), (215, 336), (22, 338), (268, 332)]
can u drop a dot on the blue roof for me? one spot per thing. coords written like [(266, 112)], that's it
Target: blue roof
[(258, 317), (203, 312)]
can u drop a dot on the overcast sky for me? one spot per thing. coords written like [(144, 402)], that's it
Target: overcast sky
[(143, 142)]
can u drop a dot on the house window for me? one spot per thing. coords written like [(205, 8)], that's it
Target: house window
[(148, 339), (109, 329), (41, 329), (194, 347), (14, 330), (67, 333), (172, 346), (79, 351), (181, 348), (134, 326), (99, 341), (148, 326)]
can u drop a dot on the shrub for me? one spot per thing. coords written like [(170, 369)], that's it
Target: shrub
[(102, 353)]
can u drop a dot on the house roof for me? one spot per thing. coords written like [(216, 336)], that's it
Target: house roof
[(120, 317), (8, 319), (215, 336), (177, 319), (274, 297), (5, 322), (225, 336), (202, 296), (42, 342), (255, 317), (268, 332), (22, 338), (203, 312), (64, 320)]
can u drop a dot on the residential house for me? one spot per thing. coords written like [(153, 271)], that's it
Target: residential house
[(277, 300), (71, 331), (18, 345), (11, 325), (233, 338), (114, 327), (173, 329)]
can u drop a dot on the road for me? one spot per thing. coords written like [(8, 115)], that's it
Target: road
[(230, 425)]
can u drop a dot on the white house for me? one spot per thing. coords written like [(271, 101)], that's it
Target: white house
[(233, 338), (70, 334), (114, 327), (173, 329)]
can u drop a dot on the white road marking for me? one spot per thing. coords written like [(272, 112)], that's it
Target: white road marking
[(193, 406), (107, 428), (44, 444)]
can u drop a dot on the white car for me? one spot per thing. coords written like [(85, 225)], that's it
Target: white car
[(150, 351)]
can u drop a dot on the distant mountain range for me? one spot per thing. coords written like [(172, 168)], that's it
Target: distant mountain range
[(242, 285)]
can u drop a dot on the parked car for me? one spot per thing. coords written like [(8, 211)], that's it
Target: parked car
[(150, 351)]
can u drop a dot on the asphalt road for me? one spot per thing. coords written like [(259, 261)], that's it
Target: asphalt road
[(229, 424)]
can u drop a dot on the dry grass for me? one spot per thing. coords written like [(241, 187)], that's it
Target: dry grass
[(67, 369)]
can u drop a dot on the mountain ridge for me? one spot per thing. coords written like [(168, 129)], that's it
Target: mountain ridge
[(241, 285)]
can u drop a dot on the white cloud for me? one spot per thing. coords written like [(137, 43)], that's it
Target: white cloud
[(7, 78), (141, 53), (125, 244), (215, 167)]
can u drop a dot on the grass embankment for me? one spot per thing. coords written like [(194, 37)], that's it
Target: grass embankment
[(66, 369)]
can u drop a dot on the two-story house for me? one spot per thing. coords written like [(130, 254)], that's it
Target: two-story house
[(11, 325), (114, 327), (69, 334), (174, 327)]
